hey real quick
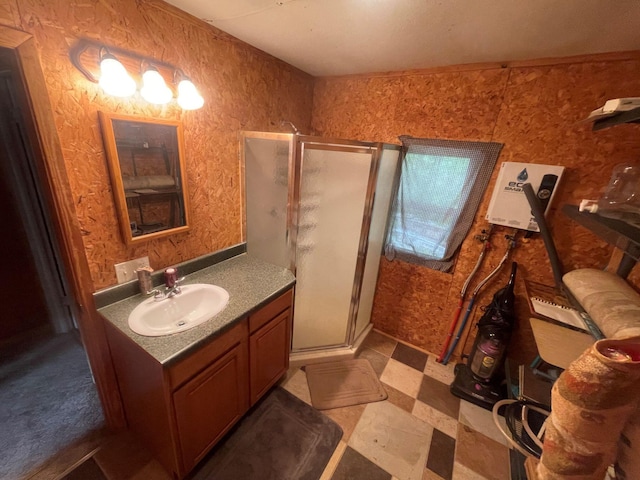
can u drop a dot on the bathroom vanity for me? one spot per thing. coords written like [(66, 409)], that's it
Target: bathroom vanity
[(183, 392)]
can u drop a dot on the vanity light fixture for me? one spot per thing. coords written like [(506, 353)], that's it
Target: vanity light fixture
[(154, 89), (188, 96), (114, 78)]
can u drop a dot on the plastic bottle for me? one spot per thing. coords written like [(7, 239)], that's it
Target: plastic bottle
[(621, 200)]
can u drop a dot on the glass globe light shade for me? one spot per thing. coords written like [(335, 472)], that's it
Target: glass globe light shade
[(154, 89), (114, 78), (188, 96)]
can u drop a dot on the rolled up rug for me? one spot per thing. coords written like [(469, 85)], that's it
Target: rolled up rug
[(591, 402), (628, 462)]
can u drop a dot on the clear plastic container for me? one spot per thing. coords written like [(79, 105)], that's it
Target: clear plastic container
[(621, 200)]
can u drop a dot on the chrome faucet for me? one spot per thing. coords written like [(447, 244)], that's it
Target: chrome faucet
[(168, 292), (172, 285)]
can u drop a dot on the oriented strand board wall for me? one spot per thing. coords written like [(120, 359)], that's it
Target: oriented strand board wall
[(243, 89), (533, 111)]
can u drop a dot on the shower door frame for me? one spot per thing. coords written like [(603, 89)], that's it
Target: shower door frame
[(302, 144), (297, 146)]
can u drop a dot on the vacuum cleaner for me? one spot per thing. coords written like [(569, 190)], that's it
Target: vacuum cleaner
[(481, 379)]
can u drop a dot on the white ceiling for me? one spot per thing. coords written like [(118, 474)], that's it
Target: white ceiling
[(339, 37)]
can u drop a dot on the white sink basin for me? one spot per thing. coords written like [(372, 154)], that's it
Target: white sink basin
[(196, 304)]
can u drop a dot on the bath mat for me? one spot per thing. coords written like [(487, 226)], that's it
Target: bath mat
[(343, 383), (282, 438)]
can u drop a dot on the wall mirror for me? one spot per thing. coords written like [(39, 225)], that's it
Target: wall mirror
[(146, 164)]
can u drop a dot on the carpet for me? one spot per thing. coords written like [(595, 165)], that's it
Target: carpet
[(343, 383), (49, 403), (282, 438)]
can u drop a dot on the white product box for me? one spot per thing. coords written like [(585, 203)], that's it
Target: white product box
[(509, 205)]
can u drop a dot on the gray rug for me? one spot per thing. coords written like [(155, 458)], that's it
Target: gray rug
[(282, 438), (49, 403)]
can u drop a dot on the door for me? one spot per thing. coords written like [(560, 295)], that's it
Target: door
[(21, 182), (266, 162), (333, 191)]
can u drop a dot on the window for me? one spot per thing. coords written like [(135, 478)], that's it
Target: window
[(441, 185)]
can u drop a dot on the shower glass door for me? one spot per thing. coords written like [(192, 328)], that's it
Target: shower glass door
[(266, 174), (330, 210), (389, 157)]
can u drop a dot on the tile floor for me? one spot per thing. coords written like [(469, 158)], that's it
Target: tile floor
[(421, 432)]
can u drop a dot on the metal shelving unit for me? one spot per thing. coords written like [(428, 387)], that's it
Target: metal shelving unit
[(632, 116), (615, 232)]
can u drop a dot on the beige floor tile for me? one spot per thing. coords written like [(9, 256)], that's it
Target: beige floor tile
[(399, 399), (330, 469), (151, 471), (481, 420), (429, 475), (377, 360), (346, 417), (402, 377), (297, 385), (435, 418), (460, 472), (380, 343), (393, 439), (290, 373), (481, 454), (443, 373)]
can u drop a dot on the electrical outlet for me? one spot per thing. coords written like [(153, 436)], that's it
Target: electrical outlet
[(126, 271)]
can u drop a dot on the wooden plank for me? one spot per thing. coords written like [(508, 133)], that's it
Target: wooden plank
[(558, 345)]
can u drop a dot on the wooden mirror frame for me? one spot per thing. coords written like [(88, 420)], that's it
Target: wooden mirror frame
[(152, 185)]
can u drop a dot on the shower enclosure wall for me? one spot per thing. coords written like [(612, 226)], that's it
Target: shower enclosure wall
[(319, 207)]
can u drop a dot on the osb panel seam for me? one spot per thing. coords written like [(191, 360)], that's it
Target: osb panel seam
[(550, 61)]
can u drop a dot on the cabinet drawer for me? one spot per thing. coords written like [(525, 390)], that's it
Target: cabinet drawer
[(187, 368), (268, 312)]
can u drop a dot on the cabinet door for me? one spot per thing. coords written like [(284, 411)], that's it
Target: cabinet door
[(207, 406), (269, 353)]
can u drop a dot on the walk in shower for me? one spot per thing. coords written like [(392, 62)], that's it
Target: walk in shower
[(319, 207)]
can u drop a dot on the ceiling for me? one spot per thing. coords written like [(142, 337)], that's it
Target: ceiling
[(340, 37)]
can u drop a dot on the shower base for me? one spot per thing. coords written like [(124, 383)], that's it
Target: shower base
[(307, 357)]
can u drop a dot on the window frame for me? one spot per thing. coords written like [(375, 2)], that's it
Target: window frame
[(482, 158)]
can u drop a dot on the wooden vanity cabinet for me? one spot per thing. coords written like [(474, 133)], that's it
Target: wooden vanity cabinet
[(210, 403), (182, 410), (269, 344)]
